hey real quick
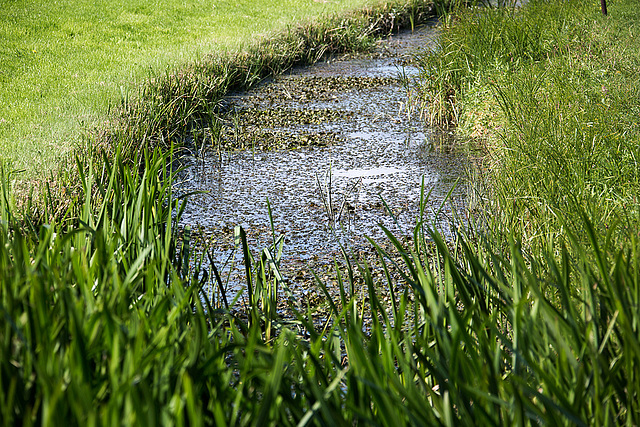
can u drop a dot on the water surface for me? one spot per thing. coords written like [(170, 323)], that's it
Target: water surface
[(369, 161)]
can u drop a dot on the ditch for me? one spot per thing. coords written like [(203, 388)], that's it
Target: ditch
[(337, 151)]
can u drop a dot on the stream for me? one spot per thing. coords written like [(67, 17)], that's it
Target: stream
[(336, 151)]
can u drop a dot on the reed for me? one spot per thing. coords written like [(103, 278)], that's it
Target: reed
[(105, 319)]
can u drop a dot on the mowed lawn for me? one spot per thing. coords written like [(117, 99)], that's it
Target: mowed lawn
[(64, 64)]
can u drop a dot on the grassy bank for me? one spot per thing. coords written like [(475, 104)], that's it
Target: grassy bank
[(65, 64), (105, 318), (552, 92), (78, 74)]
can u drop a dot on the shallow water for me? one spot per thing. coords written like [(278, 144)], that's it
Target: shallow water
[(376, 159)]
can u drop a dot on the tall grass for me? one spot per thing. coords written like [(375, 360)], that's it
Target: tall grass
[(552, 92), (103, 323), (477, 41)]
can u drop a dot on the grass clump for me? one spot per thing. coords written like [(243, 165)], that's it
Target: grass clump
[(105, 320)]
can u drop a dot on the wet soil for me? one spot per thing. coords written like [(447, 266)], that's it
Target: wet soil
[(337, 152)]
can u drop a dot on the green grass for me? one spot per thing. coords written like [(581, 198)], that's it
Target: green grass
[(553, 92), (105, 320), (64, 65)]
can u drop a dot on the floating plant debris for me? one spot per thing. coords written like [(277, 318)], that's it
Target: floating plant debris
[(336, 155)]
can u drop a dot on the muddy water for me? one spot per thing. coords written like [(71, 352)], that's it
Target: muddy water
[(347, 151)]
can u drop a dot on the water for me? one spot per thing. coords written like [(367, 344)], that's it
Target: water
[(374, 156)]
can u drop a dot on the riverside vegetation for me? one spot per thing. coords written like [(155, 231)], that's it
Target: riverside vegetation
[(530, 318), (65, 64), (141, 73)]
